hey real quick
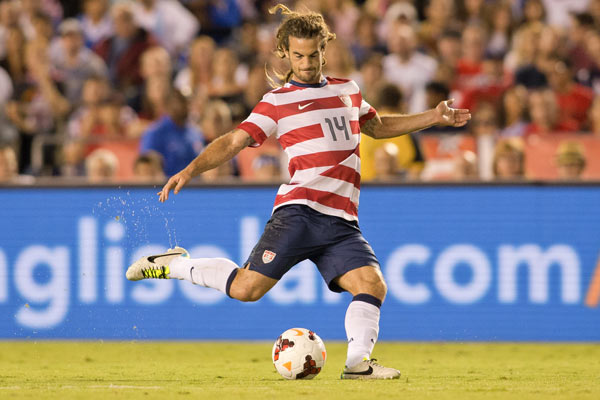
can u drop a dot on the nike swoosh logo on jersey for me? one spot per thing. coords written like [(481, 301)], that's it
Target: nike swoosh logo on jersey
[(304, 106), (152, 258), (365, 372)]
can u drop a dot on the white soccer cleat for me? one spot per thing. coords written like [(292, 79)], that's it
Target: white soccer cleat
[(156, 266), (369, 369)]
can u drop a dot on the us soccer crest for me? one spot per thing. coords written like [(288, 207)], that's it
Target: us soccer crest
[(268, 256), (346, 100)]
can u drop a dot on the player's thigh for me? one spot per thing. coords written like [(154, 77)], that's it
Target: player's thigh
[(250, 285), (348, 251), (285, 242), (366, 279)]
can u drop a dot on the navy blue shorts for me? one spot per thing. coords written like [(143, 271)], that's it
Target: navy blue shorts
[(297, 232)]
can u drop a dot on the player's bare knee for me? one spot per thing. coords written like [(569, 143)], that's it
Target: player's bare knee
[(381, 290), (376, 286), (246, 293)]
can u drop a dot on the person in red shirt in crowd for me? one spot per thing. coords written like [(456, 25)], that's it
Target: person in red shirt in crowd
[(123, 51), (573, 99), (470, 64), (487, 86), (544, 114)]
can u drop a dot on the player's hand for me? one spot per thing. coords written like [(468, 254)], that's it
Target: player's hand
[(176, 182), (448, 116)]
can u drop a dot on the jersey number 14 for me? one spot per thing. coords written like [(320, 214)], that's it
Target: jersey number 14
[(335, 125)]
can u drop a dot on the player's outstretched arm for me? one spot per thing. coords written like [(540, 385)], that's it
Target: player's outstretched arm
[(388, 126), (218, 152)]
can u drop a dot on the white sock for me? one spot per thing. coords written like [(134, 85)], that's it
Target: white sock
[(207, 272), (362, 329)]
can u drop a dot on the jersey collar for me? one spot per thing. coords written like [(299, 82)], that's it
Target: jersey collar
[(309, 85)]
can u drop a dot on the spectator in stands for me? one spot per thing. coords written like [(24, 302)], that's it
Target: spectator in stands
[(8, 164), (340, 63), (154, 102), (267, 168), (545, 115), (37, 103), (342, 15), (246, 43), (148, 168), (172, 137), (582, 26), (218, 19), (485, 120), (471, 11), (552, 44), (72, 62), (72, 160), (169, 21), (199, 72), (228, 80), (96, 23), (440, 16), (216, 121), (509, 159), (123, 50), (28, 9), (522, 58), (512, 112), (570, 160), (500, 23), (101, 115), (408, 156), (534, 13), (385, 164), (365, 42), (465, 166), (448, 54), (156, 63), (43, 27), (573, 99), (486, 86), (101, 166), (407, 68), (470, 65), (371, 77)]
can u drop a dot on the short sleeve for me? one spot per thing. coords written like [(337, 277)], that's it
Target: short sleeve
[(365, 112), (262, 121)]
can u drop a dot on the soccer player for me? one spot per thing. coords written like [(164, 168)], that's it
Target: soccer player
[(317, 121)]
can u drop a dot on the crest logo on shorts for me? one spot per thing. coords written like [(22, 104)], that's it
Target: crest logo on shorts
[(268, 256), (346, 100)]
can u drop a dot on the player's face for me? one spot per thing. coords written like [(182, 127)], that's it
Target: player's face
[(306, 59)]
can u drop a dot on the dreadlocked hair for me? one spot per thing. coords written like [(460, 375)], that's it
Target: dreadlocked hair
[(302, 25)]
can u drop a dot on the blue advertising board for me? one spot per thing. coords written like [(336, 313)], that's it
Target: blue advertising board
[(461, 263)]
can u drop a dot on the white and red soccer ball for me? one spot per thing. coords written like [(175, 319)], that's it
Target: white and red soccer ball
[(299, 354)]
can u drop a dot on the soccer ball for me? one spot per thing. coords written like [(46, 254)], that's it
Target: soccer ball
[(299, 354)]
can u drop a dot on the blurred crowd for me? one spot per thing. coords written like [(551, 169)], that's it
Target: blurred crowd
[(106, 91)]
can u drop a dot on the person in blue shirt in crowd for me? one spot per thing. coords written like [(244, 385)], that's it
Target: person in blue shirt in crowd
[(171, 136)]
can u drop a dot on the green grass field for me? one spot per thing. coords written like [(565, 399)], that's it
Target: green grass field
[(221, 371)]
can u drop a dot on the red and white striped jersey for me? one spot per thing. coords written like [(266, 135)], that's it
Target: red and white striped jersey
[(318, 126)]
